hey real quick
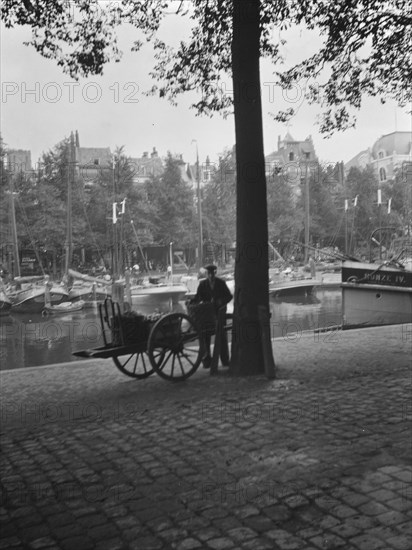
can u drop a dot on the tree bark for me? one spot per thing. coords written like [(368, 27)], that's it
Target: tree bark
[(251, 267)]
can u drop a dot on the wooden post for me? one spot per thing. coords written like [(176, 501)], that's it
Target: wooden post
[(128, 290), (216, 348), (221, 347), (94, 292), (47, 287), (269, 363), (118, 295)]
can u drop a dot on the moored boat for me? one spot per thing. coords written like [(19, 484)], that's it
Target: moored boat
[(90, 290), (33, 299), (175, 292), (376, 293), (63, 307), (88, 293), (289, 282), (5, 303), (288, 287)]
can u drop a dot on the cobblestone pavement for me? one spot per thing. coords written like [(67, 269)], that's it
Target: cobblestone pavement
[(319, 458)]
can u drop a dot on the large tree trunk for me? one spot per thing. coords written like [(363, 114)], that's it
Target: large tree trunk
[(251, 269)]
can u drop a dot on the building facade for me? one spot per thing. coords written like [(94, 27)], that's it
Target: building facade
[(292, 159), (389, 154), (91, 161), (19, 160), (146, 166)]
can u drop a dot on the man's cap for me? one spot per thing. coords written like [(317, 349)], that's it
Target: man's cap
[(211, 267)]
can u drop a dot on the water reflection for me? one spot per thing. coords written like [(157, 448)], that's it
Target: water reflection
[(294, 315), (297, 300), (28, 340), (31, 340)]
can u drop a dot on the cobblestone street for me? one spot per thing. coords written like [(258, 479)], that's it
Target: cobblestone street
[(319, 458)]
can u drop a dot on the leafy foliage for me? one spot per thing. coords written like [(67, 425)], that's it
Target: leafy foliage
[(365, 48), (285, 218), (171, 199), (219, 201), (363, 184), (323, 206)]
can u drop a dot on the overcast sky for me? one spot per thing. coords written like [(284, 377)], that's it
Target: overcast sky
[(112, 111)]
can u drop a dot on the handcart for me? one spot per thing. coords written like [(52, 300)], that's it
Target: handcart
[(169, 344)]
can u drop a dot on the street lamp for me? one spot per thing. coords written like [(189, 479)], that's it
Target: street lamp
[(199, 209)]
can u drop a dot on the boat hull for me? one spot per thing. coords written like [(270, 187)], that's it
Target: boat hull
[(5, 304), (174, 292), (33, 300), (64, 307), (374, 295), (89, 296)]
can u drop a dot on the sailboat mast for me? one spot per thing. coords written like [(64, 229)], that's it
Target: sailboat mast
[(307, 214), (16, 266), (115, 255), (70, 171), (140, 246)]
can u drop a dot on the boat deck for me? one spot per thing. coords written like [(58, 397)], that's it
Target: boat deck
[(298, 286)]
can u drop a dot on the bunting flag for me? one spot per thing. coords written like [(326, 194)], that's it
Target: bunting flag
[(379, 197), (346, 205), (114, 212), (123, 203), (389, 205), (355, 201)]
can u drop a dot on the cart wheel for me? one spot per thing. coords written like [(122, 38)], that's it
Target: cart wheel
[(174, 347), (136, 365)]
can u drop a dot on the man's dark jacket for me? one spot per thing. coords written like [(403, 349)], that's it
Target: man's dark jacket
[(220, 295)]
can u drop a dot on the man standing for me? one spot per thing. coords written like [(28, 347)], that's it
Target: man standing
[(215, 291)]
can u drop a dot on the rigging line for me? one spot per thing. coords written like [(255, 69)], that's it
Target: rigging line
[(332, 240), (352, 230), (83, 201), (144, 258), (207, 227)]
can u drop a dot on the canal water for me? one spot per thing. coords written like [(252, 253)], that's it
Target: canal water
[(28, 340)]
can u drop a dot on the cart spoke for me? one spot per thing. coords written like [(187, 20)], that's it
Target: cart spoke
[(180, 363), (130, 356), (188, 359), (136, 362), (162, 365), (176, 336), (159, 353), (144, 362), (134, 365)]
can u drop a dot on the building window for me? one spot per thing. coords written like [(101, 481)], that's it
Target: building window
[(382, 174), (381, 154), (291, 156), (96, 162), (307, 156)]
